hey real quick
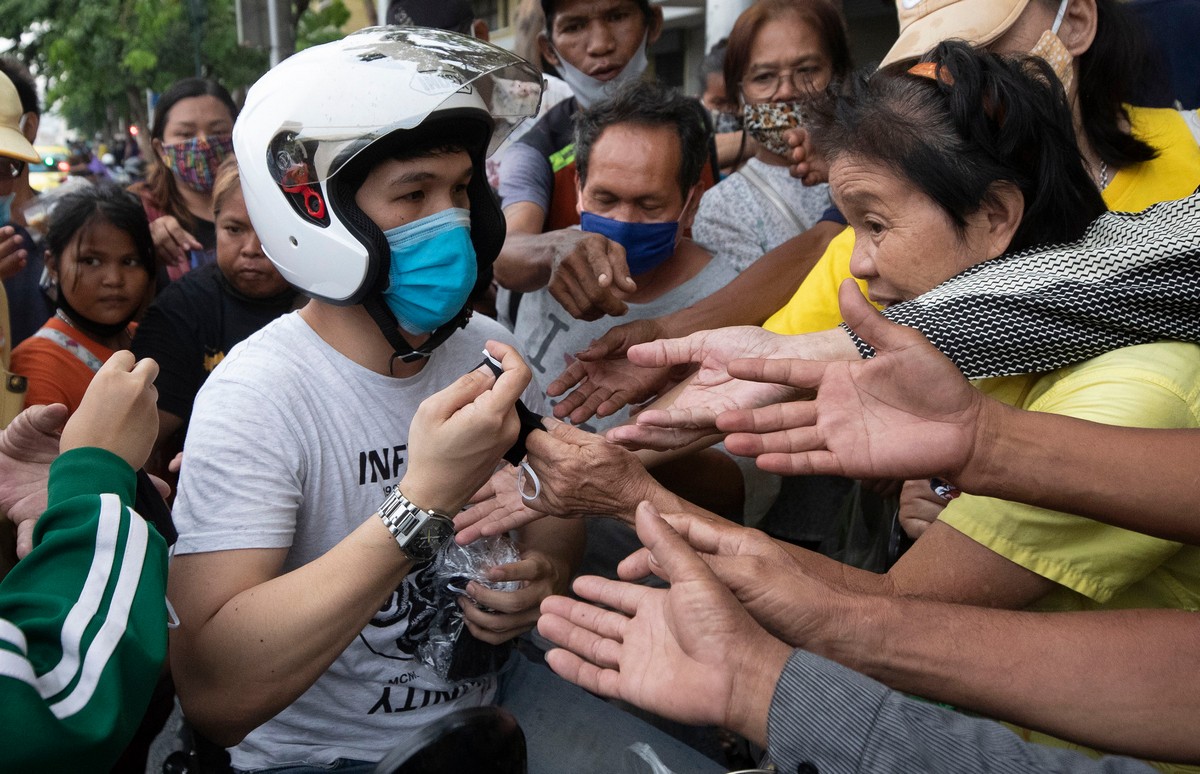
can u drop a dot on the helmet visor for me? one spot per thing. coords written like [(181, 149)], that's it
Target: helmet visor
[(415, 73)]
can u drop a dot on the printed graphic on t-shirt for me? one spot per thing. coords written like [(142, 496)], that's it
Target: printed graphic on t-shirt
[(404, 618)]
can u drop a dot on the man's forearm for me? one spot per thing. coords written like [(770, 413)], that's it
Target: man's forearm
[(761, 290), (1127, 681), (1143, 480), (268, 644), (524, 262)]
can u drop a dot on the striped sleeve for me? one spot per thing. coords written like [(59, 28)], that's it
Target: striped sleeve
[(1132, 278), (829, 719), (82, 623)]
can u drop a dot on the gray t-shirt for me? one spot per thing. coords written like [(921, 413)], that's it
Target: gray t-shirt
[(550, 337), (737, 223), (292, 445)]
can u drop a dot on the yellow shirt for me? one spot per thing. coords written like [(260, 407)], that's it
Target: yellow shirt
[(1096, 565), (1174, 174)]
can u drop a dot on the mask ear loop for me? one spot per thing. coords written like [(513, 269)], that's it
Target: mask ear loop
[(525, 471), (1058, 19)]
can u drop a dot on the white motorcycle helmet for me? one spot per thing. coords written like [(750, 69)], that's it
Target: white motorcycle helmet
[(315, 124)]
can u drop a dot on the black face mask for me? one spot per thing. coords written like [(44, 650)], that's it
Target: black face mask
[(91, 328)]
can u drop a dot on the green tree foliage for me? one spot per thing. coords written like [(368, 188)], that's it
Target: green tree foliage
[(100, 56)]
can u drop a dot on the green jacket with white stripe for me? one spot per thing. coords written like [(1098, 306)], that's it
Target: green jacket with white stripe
[(82, 623)]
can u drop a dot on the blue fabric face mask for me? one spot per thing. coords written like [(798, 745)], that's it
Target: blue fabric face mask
[(646, 245), (433, 269), (6, 208)]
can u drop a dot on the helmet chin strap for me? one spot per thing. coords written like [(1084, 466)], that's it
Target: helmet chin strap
[(390, 327)]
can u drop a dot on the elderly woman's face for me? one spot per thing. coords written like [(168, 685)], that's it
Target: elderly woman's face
[(904, 243)]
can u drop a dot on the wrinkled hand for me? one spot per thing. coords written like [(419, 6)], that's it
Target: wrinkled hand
[(807, 164), (495, 509), (172, 241), (690, 652), (906, 413), (584, 475), (13, 255), (604, 380), (458, 434), (590, 278), (919, 507), (119, 411), (516, 612), (766, 578), (27, 447), (709, 392)]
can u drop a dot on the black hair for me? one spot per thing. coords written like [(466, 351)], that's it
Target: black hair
[(23, 82), (714, 61), (185, 89), (79, 209), (985, 119), (646, 103), (548, 10), (1109, 74)]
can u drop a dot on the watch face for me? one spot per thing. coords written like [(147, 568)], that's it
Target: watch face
[(429, 538)]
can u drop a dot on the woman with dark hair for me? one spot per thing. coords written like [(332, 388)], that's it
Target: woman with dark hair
[(190, 136), (100, 255), (780, 53), (1135, 156)]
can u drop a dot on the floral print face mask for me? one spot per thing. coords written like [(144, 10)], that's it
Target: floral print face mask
[(195, 161)]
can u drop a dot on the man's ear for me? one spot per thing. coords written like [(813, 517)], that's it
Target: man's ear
[(1078, 28), (1004, 206), (479, 28), (29, 125), (690, 207), (578, 194), (548, 52), (654, 32)]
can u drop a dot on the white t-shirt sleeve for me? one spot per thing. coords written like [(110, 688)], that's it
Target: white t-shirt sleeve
[(231, 497)]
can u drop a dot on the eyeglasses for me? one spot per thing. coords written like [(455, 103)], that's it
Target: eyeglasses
[(11, 169), (765, 84)]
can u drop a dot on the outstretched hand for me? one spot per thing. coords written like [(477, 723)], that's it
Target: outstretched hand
[(584, 475), (765, 576), (906, 413), (604, 380), (589, 276), (27, 447), (710, 391), (690, 653), (495, 509)]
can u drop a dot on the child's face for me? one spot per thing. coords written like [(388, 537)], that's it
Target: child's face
[(399, 192), (102, 275)]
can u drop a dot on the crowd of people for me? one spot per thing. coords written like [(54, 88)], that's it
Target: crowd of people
[(846, 410)]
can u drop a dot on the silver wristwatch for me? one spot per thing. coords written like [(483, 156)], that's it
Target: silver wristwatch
[(420, 534)]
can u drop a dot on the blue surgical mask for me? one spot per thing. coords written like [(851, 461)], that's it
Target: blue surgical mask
[(433, 270), (646, 244), (6, 208)]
